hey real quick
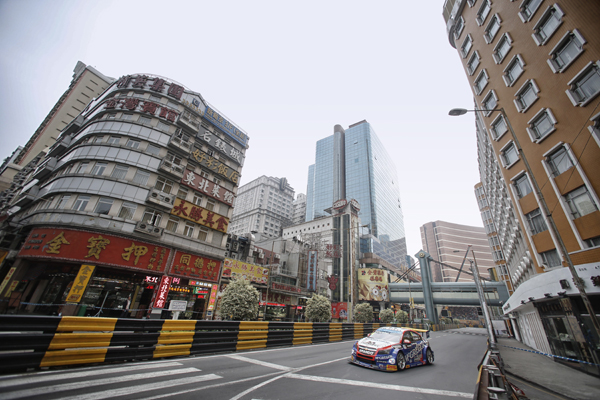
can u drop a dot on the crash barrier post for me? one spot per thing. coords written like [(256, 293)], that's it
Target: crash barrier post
[(492, 382), (50, 341)]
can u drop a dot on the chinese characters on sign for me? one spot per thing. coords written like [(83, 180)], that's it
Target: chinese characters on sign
[(163, 291), (197, 267), (221, 145), (333, 280), (333, 250), (286, 288), (207, 187), (372, 284), (9, 275), (251, 272), (80, 283), (192, 212), (226, 126), (215, 165), (276, 298), (148, 107), (311, 284)]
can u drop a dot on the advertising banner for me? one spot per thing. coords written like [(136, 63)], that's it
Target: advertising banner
[(249, 272), (339, 310), (373, 284), (311, 284), (82, 246)]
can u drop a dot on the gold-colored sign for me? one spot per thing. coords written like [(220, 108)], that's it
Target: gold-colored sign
[(80, 283)]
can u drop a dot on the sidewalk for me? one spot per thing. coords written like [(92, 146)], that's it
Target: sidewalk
[(543, 371)]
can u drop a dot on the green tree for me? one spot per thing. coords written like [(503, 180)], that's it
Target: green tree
[(318, 309), (239, 301), (363, 313), (401, 317), (386, 316)]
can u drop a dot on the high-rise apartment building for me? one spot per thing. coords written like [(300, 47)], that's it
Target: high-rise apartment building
[(354, 164), (263, 205), (534, 68), (448, 243), (128, 210), (299, 209)]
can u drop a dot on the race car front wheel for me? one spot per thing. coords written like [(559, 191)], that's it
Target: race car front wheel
[(429, 355), (400, 361)]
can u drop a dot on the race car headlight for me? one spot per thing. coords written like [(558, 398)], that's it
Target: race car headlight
[(384, 352)]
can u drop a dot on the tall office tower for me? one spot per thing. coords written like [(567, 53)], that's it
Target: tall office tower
[(264, 206), (534, 68), (448, 243), (129, 208), (87, 83), (354, 164), (299, 209)]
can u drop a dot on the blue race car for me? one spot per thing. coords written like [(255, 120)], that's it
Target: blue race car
[(392, 349)]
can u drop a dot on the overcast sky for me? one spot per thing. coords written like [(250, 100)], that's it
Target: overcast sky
[(284, 72)]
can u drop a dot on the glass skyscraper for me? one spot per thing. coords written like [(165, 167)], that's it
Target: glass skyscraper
[(354, 164)]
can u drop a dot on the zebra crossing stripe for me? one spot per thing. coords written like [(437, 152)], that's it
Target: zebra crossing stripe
[(18, 394)]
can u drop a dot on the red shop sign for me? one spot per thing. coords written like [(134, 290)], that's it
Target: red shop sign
[(163, 291), (196, 267)]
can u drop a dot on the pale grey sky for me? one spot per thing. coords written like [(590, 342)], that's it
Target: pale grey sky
[(284, 72)]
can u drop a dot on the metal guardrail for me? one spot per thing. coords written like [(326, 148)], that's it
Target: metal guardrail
[(492, 383), (47, 341)]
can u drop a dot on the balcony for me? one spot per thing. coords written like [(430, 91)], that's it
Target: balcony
[(189, 120), (45, 168), (60, 147), (171, 168), (160, 199), (27, 195), (146, 228), (181, 142)]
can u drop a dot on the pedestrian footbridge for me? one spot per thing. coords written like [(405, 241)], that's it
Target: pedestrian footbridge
[(450, 293)]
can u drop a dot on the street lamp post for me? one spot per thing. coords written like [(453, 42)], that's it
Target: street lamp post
[(552, 226)]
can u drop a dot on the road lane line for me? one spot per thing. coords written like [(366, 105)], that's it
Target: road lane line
[(108, 394), (18, 394), (378, 385), (72, 375), (258, 362)]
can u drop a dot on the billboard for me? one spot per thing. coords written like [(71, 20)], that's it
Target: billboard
[(373, 284), (250, 272), (311, 284)]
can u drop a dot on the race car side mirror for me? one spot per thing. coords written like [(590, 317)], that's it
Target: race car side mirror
[(406, 341)]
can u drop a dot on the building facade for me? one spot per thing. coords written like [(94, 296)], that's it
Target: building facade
[(534, 68), (448, 243), (129, 209), (264, 205), (354, 164), (299, 209)]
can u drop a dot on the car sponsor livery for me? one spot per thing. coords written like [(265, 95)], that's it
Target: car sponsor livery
[(392, 349)]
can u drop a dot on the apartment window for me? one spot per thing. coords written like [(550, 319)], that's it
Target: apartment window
[(62, 202), (528, 8), (173, 159), (481, 82), (522, 186), (172, 224), (536, 222), (127, 210), (492, 29), (152, 149), (566, 51), (81, 203), (81, 168), (466, 46), (473, 62), (127, 117), (155, 98), (98, 139), (526, 96), (490, 102), (99, 168), (162, 126), (585, 85), (502, 48), (547, 24), (164, 185), (152, 217), (559, 161), (458, 28), (119, 172), (111, 116), (216, 180), (594, 128), (551, 258), (210, 205), (513, 70), (471, 2), (144, 120), (188, 229), (134, 144), (484, 11), (592, 242), (541, 125), (499, 127), (182, 192), (141, 177), (509, 154), (113, 140), (173, 105), (104, 205), (203, 234), (580, 202), (67, 169), (197, 199)]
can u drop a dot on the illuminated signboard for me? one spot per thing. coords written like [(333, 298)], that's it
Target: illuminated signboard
[(86, 247), (226, 126)]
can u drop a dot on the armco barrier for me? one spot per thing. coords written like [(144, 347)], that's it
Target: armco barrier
[(37, 342)]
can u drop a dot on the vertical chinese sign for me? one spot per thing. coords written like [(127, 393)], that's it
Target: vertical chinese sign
[(163, 291), (311, 284), (11, 272), (81, 282)]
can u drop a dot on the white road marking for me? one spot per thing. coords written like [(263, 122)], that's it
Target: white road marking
[(108, 394), (258, 362), (379, 385), (98, 382), (72, 375)]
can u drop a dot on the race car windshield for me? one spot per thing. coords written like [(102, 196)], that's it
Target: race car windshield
[(389, 337)]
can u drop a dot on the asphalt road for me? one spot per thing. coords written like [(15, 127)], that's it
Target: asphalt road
[(301, 372)]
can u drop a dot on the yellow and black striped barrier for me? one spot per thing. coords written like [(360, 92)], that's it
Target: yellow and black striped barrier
[(37, 342)]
